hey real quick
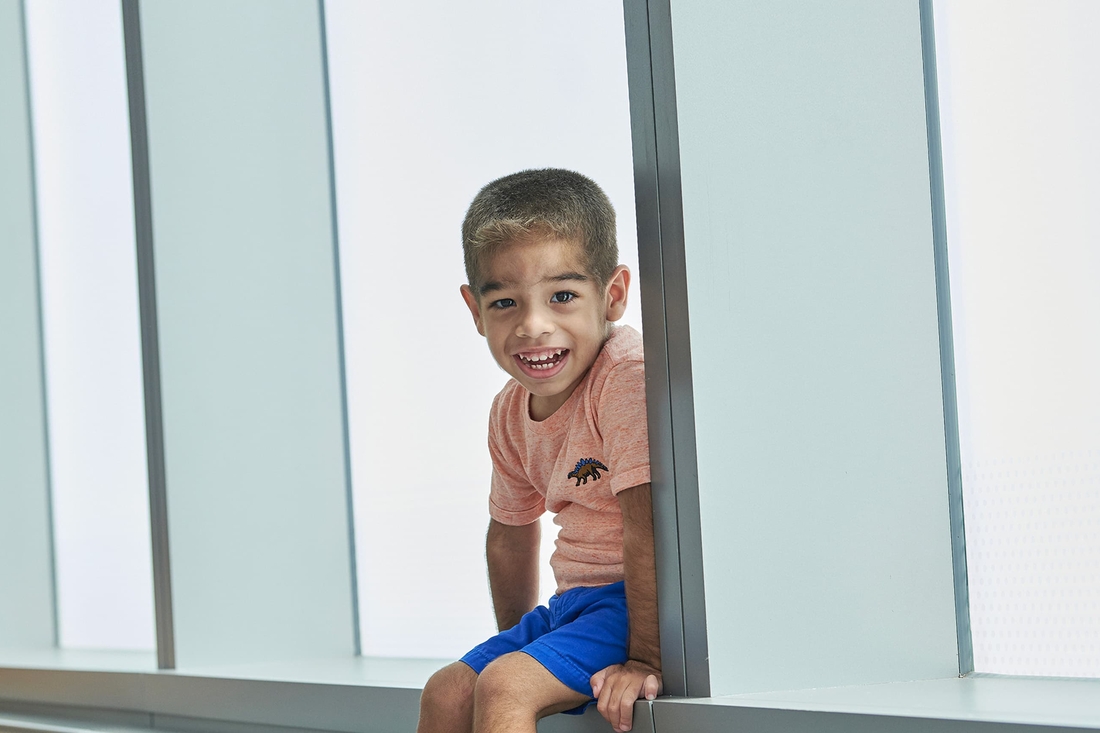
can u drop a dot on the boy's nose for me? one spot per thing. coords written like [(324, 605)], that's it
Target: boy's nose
[(534, 323)]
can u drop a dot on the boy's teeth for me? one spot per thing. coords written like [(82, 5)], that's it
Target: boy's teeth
[(536, 360)]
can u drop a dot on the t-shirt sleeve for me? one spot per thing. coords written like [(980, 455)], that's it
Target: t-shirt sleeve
[(512, 498), (621, 420)]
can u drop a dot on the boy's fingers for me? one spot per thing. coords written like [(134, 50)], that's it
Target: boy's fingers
[(608, 703), (597, 682), (629, 694), (603, 700), (617, 692), (652, 687)]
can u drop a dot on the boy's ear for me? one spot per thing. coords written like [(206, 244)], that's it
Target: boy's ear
[(471, 303), (617, 289)]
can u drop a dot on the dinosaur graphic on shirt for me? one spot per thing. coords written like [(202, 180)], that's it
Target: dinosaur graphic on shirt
[(587, 467)]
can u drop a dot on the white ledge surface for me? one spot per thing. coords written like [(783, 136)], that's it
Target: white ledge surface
[(979, 697), (378, 694)]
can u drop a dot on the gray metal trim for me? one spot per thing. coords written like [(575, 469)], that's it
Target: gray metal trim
[(354, 561), (670, 400), (672, 716), (150, 338), (337, 706), (947, 341), (56, 621), (204, 705), (72, 715), (11, 725)]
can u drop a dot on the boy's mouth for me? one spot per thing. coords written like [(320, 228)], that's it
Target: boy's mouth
[(541, 361)]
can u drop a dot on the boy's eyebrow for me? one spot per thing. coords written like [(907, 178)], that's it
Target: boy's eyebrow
[(490, 287), (493, 285), (566, 276)]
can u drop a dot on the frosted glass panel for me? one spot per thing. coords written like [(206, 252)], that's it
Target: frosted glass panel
[(90, 317), (431, 101), (26, 577), (814, 344), (1020, 104), (249, 337)]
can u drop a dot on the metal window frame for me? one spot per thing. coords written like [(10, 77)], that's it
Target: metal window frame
[(353, 561), (150, 338), (947, 340), (45, 396), (669, 397)]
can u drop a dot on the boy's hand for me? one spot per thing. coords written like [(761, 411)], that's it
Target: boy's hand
[(618, 687)]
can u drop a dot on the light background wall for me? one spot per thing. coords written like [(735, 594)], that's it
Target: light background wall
[(1020, 105), (90, 319), (430, 102)]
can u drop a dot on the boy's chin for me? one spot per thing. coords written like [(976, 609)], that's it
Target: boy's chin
[(540, 388), (546, 387)]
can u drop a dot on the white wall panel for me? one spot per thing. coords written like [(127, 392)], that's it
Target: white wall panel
[(89, 294), (432, 100), (1020, 104)]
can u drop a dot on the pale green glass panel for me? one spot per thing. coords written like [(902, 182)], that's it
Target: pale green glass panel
[(26, 574), (247, 307), (815, 349)]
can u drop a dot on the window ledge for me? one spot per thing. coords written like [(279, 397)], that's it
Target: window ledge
[(87, 691), (68, 691), (954, 704)]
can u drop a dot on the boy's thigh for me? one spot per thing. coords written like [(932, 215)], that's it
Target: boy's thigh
[(583, 631), (591, 640)]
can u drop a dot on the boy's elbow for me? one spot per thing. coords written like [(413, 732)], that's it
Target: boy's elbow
[(636, 504), (509, 539)]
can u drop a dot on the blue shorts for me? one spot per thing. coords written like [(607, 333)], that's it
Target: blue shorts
[(582, 631)]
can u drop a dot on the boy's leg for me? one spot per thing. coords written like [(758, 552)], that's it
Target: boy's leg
[(514, 691), (447, 703)]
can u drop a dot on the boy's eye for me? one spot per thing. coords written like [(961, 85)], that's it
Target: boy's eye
[(502, 303), (563, 297)]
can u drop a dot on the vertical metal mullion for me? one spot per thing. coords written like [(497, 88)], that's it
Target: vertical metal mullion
[(51, 533), (947, 340), (150, 339), (662, 464), (342, 353), (669, 391)]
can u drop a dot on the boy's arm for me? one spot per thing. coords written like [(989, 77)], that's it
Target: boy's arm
[(512, 554), (619, 686)]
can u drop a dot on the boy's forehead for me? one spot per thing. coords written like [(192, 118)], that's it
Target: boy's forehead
[(530, 262)]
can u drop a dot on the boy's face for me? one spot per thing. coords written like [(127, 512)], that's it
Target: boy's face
[(545, 317)]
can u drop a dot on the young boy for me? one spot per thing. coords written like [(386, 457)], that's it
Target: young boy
[(568, 434)]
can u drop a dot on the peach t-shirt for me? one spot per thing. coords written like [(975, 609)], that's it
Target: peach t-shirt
[(575, 462)]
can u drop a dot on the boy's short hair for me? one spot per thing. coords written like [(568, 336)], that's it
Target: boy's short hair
[(549, 202)]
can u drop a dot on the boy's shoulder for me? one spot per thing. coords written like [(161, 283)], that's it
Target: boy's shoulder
[(619, 371), (622, 346)]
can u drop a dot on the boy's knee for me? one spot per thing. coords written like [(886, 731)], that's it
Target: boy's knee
[(516, 689), (450, 691), (502, 682), (517, 685)]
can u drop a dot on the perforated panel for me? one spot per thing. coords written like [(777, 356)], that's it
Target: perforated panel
[(1020, 105)]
